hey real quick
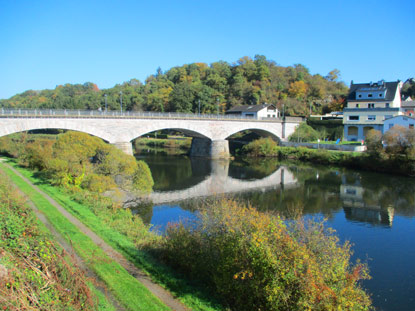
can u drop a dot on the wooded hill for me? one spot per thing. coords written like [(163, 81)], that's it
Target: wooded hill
[(220, 85)]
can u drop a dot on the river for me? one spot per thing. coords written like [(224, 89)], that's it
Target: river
[(376, 212)]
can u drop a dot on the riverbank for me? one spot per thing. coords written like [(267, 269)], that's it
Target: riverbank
[(172, 248), (266, 147), (37, 269), (171, 145), (125, 233), (125, 287)]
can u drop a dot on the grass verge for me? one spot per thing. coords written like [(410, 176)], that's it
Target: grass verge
[(191, 295), (131, 293)]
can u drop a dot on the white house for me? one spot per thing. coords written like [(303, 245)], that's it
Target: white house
[(405, 121), (255, 111), (368, 106)]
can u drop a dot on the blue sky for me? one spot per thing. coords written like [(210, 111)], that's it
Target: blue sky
[(47, 43)]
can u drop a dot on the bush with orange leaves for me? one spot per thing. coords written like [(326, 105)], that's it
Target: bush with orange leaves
[(257, 261)]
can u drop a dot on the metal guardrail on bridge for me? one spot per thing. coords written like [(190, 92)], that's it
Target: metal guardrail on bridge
[(66, 113)]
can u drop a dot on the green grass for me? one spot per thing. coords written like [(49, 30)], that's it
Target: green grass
[(192, 296), (103, 303), (130, 292)]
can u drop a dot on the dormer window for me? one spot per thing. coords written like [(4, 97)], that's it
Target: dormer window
[(380, 95), (369, 95), (360, 95)]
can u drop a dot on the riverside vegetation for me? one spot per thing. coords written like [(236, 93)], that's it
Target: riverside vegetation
[(35, 273), (397, 157), (285, 265)]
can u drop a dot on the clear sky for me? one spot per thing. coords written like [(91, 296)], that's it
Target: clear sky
[(47, 43)]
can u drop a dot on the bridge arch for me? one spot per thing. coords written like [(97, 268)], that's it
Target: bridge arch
[(264, 129), (260, 132), (40, 124), (185, 131)]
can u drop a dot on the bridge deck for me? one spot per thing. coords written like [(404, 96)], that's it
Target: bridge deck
[(86, 114)]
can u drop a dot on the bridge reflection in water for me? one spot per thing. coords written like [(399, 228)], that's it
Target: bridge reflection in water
[(219, 182), (269, 186)]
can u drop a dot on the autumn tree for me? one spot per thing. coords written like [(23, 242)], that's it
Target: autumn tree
[(400, 141), (298, 89), (333, 75)]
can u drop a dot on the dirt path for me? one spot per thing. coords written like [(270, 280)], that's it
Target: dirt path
[(99, 285), (156, 289)]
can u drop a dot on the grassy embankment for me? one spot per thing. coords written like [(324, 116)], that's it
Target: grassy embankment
[(131, 293), (35, 272), (124, 235)]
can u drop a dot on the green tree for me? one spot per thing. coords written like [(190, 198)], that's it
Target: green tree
[(181, 99), (304, 133)]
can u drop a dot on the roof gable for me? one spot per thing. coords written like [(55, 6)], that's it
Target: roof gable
[(391, 89)]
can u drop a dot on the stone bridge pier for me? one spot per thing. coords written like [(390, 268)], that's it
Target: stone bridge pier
[(214, 149), (126, 147)]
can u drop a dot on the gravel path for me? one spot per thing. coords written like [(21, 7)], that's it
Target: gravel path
[(165, 296)]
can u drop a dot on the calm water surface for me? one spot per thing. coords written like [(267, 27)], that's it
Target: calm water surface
[(373, 211)]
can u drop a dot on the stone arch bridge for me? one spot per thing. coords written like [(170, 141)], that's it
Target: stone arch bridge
[(209, 131)]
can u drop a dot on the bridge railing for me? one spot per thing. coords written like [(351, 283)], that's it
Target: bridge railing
[(67, 113)]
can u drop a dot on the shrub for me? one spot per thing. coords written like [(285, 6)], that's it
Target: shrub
[(78, 159), (400, 141), (373, 142), (263, 147), (255, 261), (304, 133)]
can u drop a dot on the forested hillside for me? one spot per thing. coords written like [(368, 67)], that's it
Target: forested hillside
[(220, 85)]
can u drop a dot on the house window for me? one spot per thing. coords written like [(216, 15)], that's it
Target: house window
[(387, 105), (268, 116), (350, 191), (380, 95), (357, 105), (371, 118), (370, 105), (369, 95), (353, 118), (360, 95)]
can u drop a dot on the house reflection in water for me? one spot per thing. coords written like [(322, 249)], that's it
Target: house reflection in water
[(363, 205)]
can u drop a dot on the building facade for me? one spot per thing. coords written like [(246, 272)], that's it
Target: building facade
[(368, 106), (404, 121), (255, 111), (408, 107)]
